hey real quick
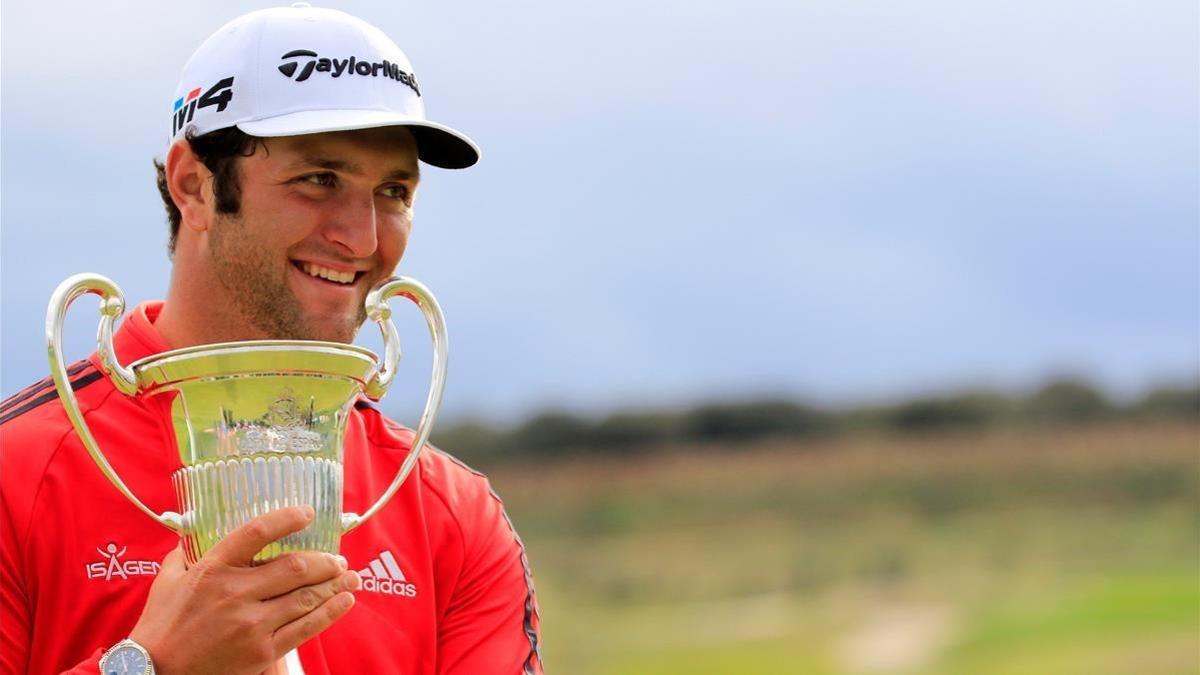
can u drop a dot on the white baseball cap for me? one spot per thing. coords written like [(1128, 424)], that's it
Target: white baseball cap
[(297, 70)]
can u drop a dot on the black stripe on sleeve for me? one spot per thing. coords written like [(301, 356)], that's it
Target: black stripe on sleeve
[(31, 390), (50, 396), (531, 634)]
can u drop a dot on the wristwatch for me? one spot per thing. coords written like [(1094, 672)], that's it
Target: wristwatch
[(126, 658)]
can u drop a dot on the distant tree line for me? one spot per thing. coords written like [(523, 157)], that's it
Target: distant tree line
[(1058, 403)]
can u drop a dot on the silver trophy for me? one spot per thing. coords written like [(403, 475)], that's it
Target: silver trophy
[(259, 424)]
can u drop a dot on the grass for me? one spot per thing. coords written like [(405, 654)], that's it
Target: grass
[(1052, 551)]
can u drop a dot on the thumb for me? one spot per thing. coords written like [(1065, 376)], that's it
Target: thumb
[(174, 565)]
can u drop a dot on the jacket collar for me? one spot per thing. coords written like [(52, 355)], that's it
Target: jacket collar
[(137, 338)]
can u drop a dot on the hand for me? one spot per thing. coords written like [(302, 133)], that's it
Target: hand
[(277, 668), (224, 615)]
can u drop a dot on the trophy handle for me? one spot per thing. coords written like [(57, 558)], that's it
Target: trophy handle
[(380, 312), (112, 306)]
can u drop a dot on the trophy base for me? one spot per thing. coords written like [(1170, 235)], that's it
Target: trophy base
[(217, 497)]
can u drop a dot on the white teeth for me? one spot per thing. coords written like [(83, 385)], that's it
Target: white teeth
[(326, 273)]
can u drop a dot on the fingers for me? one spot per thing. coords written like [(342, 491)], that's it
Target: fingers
[(289, 636), (295, 570), (291, 606), (240, 546)]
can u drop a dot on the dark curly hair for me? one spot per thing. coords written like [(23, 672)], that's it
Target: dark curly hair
[(219, 150)]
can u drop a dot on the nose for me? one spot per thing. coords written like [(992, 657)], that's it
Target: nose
[(351, 226)]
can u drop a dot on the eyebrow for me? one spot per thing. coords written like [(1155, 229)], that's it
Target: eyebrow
[(350, 167)]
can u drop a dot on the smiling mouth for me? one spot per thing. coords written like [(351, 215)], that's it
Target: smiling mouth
[(328, 275)]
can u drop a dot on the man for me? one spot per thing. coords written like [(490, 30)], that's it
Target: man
[(289, 183)]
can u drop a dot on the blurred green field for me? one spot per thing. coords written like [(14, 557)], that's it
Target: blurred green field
[(1019, 551)]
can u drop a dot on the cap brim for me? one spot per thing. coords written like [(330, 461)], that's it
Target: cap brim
[(437, 144)]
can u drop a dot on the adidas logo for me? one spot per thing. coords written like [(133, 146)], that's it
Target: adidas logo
[(383, 575)]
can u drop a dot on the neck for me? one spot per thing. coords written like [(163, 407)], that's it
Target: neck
[(180, 323), (192, 314)]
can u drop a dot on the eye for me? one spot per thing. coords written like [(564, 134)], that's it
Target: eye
[(395, 191), (324, 179)]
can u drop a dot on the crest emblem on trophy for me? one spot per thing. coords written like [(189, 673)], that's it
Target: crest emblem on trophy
[(282, 429)]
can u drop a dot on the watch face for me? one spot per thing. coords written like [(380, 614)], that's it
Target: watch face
[(127, 660)]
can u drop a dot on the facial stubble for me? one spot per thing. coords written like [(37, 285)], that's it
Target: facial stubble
[(257, 285)]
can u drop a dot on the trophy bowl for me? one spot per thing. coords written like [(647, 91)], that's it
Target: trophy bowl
[(259, 425)]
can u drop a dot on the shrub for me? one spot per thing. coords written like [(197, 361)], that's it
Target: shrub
[(1067, 401)]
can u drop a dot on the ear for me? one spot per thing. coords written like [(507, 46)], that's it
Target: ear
[(189, 183)]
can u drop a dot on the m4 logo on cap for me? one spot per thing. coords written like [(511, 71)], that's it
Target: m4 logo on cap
[(220, 94), (336, 67)]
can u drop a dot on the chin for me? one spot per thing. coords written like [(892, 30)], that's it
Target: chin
[(333, 329)]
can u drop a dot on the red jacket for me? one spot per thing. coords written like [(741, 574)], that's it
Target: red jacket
[(449, 590)]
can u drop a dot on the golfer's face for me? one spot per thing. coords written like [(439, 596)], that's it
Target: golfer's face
[(324, 217)]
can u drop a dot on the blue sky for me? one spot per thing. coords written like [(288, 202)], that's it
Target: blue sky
[(685, 201)]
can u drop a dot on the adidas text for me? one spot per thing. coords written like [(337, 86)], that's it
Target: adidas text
[(389, 587)]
